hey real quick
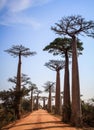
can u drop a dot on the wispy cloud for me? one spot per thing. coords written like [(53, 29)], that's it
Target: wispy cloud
[(13, 20), (40, 2), (13, 10), (19, 5)]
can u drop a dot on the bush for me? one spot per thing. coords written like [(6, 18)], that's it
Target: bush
[(88, 113)]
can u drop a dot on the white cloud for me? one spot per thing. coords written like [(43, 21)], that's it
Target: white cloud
[(18, 5), (13, 12), (12, 20), (15, 6)]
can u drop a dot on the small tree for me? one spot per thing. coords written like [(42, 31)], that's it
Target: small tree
[(32, 88), (56, 65), (49, 87), (72, 26), (43, 98), (24, 80), (37, 98), (19, 50), (23, 91)]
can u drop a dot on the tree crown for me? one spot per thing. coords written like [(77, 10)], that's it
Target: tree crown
[(55, 65), (49, 85), (17, 50), (74, 25), (61, 46)]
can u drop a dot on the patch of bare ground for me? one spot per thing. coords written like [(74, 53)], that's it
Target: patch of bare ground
[(41, 120)]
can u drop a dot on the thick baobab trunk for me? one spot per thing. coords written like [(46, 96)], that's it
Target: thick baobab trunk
[(66, 100), (18, 90), (57, 96), (49, 101), (31, 100), (76, 105)]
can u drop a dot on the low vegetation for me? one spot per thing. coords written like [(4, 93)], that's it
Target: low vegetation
[(7, 111)]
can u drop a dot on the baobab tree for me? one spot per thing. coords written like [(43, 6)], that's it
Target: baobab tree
[(32, 88), (19, 51), (44, 98), (72, 26), (37, 98), (49, 87), (23, 91), (63, 47), (56, 65)]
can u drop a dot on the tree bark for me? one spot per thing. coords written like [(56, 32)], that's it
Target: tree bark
[(76, 105), (43, 103), (49, 101), (18, 90), (57, 96), (66, 100), (31, 100)]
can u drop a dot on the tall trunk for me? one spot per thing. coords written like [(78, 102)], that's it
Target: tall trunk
[(66, 100), (44, 103), (57, 96), (18, 90), (76, 105), (37, 102), (31, 100), (49, 101)]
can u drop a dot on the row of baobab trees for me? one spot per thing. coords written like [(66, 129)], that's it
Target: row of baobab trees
[(67, 46)]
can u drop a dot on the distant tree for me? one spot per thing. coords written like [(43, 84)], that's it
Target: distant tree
[(37, 98), (72, 26), (63, 47), (56, 65), (49, 87), (19, 51), (44, 98), (33, 89)]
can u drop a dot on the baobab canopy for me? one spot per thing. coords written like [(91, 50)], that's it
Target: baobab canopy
[(74, 25), (15, 50)]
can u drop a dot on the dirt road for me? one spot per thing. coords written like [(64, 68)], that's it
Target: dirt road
[(40, 120)]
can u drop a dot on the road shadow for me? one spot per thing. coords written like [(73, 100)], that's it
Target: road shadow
[(39, 123), (48, 127)]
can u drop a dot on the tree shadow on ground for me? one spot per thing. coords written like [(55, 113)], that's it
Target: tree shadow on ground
[(39, 123), (48, 127)]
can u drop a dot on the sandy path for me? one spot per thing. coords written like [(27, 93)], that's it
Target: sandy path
[(40, 120)]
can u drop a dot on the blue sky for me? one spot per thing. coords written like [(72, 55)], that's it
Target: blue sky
[(28, 22)]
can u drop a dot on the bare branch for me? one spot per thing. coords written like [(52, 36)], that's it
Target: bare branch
[(74, 25)]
